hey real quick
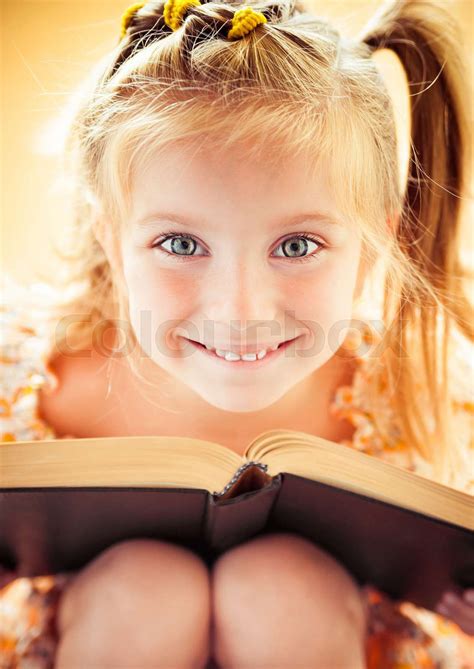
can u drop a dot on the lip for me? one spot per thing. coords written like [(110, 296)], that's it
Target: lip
[(244, 364)]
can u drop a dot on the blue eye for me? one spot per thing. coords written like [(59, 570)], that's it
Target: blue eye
[(299, 243), (183, 246)]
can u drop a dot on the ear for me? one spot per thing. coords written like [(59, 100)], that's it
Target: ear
[(102, 230), (101, 225), (105, 231), (106, 234)]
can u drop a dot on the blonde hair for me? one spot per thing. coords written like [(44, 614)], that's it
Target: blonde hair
[(296, 84)]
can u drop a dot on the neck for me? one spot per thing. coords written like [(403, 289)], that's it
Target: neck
[(170, 407)]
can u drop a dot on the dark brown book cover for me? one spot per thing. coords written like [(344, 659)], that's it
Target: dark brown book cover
[(405, 553)]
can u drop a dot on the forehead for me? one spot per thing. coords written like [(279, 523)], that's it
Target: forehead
[(207, 174)]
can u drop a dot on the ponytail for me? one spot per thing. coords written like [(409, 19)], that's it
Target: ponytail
[(425, 37)]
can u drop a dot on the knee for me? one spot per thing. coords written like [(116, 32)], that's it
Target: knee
[(268, 564), (280, 580), (138, 576)]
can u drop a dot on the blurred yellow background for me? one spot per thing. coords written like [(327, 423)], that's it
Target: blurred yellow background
[(47, 47)]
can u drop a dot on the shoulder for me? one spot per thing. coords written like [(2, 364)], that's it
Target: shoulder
[(461, 372), (73, 405), (44, 393), (24, 344), (355, 403), (461, 379)]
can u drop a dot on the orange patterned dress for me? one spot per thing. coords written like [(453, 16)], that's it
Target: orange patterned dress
[(400, 635)]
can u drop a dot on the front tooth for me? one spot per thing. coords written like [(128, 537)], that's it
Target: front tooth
[(231, 356)]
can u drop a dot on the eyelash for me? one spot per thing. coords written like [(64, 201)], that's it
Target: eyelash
[(305, 235)]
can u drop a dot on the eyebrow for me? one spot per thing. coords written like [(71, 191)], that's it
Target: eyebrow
[(287, 222)]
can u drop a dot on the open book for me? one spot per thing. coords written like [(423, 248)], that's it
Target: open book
[(64, 501)]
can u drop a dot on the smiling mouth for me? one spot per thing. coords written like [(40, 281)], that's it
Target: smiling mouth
[(244, 364)]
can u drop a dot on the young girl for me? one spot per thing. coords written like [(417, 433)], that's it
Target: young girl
[(237, 182)]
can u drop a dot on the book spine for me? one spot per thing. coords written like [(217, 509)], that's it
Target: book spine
[(239, 517), (239, 476)]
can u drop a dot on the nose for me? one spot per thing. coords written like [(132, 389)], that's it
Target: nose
[(242, 297)]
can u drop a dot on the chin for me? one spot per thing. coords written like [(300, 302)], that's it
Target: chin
[(239, 404)]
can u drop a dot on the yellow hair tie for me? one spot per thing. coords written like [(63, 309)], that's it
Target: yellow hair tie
[(127, 16), (174, 10), (244, 21)]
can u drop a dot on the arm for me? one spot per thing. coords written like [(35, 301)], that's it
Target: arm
[(458, 607)]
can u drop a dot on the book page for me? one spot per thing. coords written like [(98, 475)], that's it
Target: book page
[(335, 464)]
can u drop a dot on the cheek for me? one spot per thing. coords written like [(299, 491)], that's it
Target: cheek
[(170, 295), (159, 299), (325, 297)]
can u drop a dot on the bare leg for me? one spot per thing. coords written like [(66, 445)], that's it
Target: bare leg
[(280, 601), (139, 604)]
